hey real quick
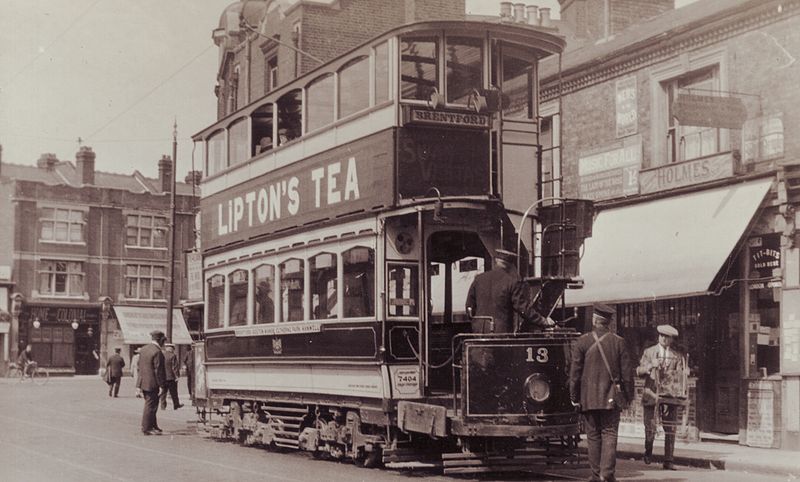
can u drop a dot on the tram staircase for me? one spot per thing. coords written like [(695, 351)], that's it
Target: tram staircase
[(287, 419)]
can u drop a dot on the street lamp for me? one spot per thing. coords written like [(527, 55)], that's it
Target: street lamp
[(105, 311), (36, 322), (74, 324), (17, 299)]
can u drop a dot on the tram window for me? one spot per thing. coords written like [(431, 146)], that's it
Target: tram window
[(354, 87), (216, 301), (237, 282), (517, 84), (323, 286), (464, 62), (264, 308), (359, 282), (381, 73), (237, 142), (292, 290), (290, 108), (216, 153), (262, 129), (419, 73), (319, 102), (403, 290)]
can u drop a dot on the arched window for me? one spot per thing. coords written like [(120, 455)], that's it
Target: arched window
[(382, 85), (217, 160), (292, 290), (216, 301), (237, 142), (323, 286), (262, 129), (354, 87), (319, 102), (359, 282), (264, 303), (290, 109), (237, 294)]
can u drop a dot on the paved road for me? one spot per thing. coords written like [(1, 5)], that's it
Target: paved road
[(70, 430)]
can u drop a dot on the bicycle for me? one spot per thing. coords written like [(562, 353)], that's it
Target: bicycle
[(36, 374)]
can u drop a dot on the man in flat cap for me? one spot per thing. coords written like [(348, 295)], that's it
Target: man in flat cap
[(600, 359), (172, 368), (500, 294), (662, 366), (152, 377)]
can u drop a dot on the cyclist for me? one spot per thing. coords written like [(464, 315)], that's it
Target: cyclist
[(26, 362)]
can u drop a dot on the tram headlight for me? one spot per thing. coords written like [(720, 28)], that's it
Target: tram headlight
[(537, 387)]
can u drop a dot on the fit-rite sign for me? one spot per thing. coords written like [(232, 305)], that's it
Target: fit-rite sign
[(421, 115), (344, 180)]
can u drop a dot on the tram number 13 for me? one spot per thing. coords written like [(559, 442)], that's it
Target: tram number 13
[(537, 355)]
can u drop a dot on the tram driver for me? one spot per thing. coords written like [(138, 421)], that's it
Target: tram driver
[(498, 295)]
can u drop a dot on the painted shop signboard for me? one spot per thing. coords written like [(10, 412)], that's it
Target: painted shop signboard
[(626, 106), (687, 173), (612, 171)]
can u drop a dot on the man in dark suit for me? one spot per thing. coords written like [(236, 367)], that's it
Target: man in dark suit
[(188, 360), (172, 369), (499, 294), (114, 365), (589, 387), (152, 376)]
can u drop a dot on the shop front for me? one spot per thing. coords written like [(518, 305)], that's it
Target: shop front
[(136, 323), (683, 260), (65, 339)]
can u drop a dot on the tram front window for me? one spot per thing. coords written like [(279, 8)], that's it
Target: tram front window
[(456, 258), (403, 290)]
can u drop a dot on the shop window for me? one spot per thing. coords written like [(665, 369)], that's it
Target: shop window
[(290, 108), (419, 67), (261, 120), (464, 68), (217, 160), (382, 84), (145, 282), (359, 282), (324, 292), (237, 142), (403, 289), (61, 278), (264, 308), (292, 290), (354, 87), (686, 142), (237, 286), (62, 225), (319, 102), (146, 231), (216, 301), (517, 83)]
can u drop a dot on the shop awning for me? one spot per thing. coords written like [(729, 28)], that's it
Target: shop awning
[(665, 248), (137, 322)]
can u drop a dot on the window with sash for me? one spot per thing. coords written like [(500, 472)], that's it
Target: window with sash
[(62, 225), (61, 278), (146, 231), (145, 282)]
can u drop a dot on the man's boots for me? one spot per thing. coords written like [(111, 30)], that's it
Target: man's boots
[(669, 450), (648, 451)]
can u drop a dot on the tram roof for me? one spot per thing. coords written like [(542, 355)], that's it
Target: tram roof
[(542, 40)]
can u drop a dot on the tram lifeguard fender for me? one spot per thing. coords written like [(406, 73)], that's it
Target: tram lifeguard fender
[(422, 418)]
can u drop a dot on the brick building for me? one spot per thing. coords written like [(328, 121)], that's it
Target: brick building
[(85, 258), (678, 124)]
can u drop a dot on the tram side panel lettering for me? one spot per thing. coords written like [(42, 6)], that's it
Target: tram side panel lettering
[(347, 179)]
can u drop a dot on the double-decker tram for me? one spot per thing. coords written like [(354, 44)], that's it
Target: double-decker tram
[(337, 259)]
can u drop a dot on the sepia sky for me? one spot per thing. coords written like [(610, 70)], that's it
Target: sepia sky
[(115, 73)]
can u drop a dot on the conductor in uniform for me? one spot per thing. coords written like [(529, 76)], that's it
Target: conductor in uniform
[(500, 294), (662, 365), (152, 377), (590, 381)]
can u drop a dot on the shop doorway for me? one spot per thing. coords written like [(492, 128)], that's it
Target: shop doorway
[(87, 350)]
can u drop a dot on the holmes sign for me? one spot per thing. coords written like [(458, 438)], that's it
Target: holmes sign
[(686, 173), (341, 181)]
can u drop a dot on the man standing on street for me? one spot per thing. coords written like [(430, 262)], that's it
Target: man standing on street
[(499, 294), (114, 365), (152, 376), (663, 368), (590, 385), (173, 368), (188, 360)]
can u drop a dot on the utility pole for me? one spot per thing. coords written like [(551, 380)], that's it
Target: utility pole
[(171, 297)]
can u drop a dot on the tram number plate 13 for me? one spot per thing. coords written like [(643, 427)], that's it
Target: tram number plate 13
[(538, 355)]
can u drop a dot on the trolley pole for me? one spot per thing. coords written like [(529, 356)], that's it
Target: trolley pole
[(171, 296)]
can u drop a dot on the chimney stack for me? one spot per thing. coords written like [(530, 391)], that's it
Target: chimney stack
[(544, 12), (47, 161), (505, 12), (519, 12), (84, 161), (193, 177), (165, 173), (533, 14)]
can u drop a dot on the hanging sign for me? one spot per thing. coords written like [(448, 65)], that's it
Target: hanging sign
[(709, 111)]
